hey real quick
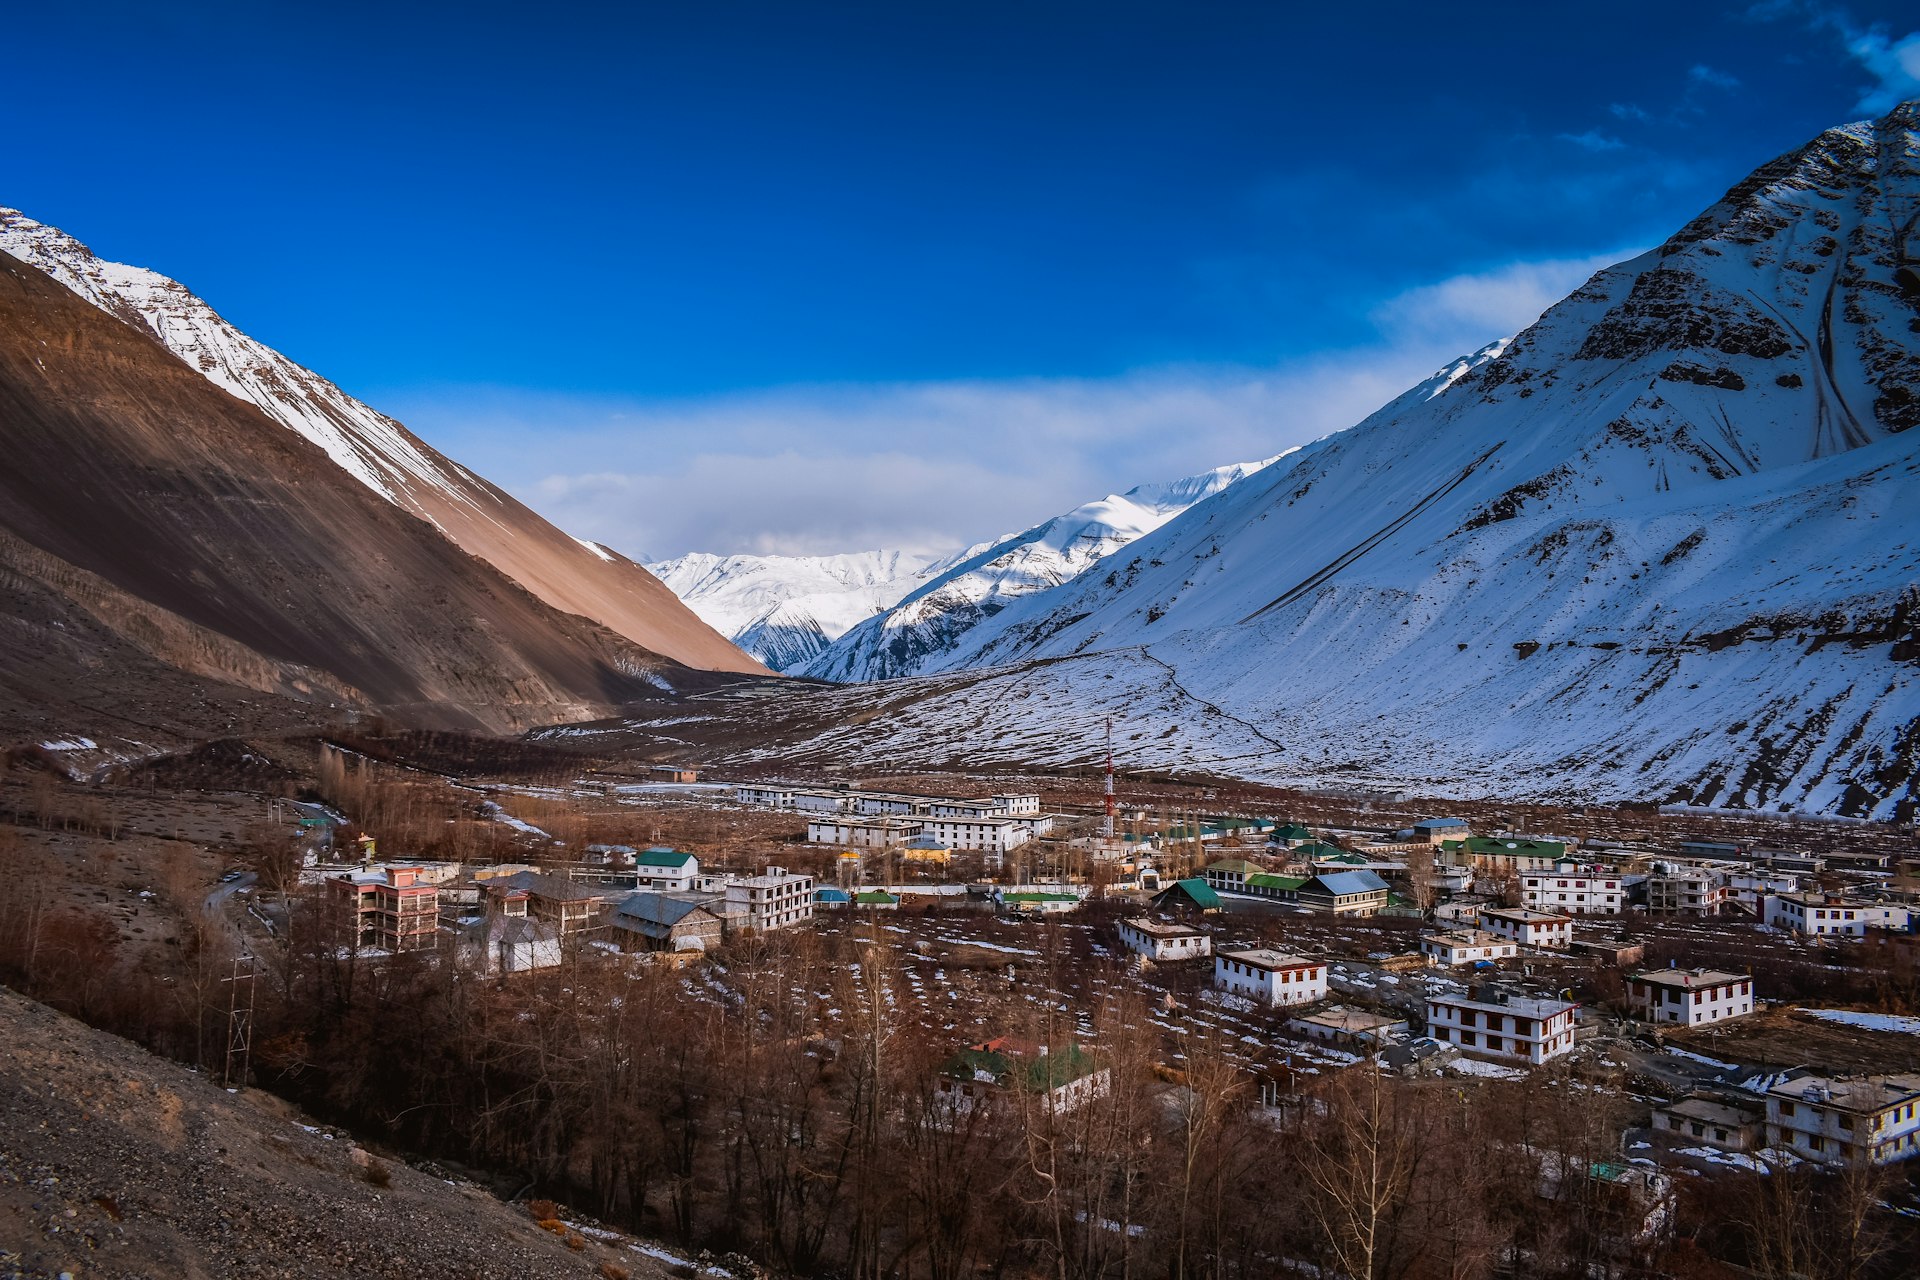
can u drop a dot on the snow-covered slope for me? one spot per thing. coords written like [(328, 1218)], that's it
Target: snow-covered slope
[(942, 623), (783, 610), (379, 452), (1665, 544)]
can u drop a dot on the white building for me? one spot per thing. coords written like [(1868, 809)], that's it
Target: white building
[(1528, 927), (884, 803), (1016, 806), (1270, 977), (1505, 1028), (863, 833), (1696, 890), (1689, 997), (776, 900), (992, 835), (1749, 889), (1836, 1121), (1466, 946), (1572, 889), (666, 871), (1823, 915), (1158, 940)]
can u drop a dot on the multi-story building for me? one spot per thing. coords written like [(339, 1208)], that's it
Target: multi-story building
[(1502, 1027), (1159, 940), (1440, 830), (1841, 1121), (1344, 893), (1501, 854), (1229, 875), (864, 833), (1466, 946), (992, 835), (1271, 978), (1570, 888), (777, 899), (1828, 915), (1529, 928), (568, 907), (389, 908), (1694, 890), (1689, 997)]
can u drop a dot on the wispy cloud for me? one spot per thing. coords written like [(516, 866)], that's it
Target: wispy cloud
[(1712, 77), (1892, 61), (1593, 140), (935, 466), (1628, 111)]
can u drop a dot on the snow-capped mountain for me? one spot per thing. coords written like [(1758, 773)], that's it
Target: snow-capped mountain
[(783, 610), (380, 453), (941, 623), (1664, 545)]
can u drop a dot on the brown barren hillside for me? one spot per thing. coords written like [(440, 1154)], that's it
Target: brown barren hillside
[(382, 454), (183, 529), (116, 1163)]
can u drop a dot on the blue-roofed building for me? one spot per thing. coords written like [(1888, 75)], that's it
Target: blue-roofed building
[(1357, 893), (826, 896), (1434, 830)]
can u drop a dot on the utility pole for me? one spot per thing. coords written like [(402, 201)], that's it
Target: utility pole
[(1106, 824), (239, 1022)]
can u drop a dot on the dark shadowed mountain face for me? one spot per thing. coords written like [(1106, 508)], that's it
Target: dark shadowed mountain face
[(150, 520), (381, 454)]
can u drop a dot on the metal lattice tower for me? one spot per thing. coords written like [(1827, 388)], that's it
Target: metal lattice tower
[(239, 1022)]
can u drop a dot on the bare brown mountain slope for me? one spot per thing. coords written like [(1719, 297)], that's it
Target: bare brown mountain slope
[(205, 535), (115, 1163), (382, 454)]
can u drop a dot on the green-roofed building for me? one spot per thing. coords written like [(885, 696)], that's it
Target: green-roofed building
[(979, 1073), (876, 900), (1291, 836), (1505, 852), (665, 870), (1229, 875), (1283, 888), (1187, 895)]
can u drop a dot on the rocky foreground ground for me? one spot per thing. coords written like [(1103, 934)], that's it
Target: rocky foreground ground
[(116, 1163)]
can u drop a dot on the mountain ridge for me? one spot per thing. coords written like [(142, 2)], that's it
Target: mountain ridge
[(380, 453)]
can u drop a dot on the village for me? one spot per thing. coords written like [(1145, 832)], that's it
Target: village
[(1434, 949), (1643, 1023)]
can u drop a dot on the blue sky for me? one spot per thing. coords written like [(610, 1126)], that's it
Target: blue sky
[(818, 277)]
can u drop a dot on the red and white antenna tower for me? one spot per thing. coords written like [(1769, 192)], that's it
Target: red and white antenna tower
[(1106, 826)]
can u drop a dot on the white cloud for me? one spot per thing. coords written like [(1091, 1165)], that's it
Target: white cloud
[(935, 466), (1894, 65), (1892, 61), (1497, 302), (1628, 111)]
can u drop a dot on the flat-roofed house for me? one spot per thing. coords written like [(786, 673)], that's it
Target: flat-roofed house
[(1503, 1028), (1529, 928), (1160, 940), (1466, 946), (1720, 1123), (1841, 1120), (1571, 888), (1271, 978), (1689, 997), (775, 899)]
